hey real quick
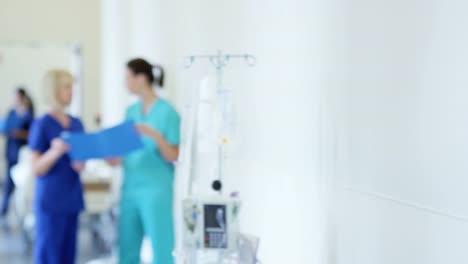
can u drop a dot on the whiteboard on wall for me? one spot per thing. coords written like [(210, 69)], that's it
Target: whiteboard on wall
[(25, 64)]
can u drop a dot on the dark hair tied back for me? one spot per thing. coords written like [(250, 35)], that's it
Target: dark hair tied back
[(21, 91), (154, 74), (158, 73), (29, 102)]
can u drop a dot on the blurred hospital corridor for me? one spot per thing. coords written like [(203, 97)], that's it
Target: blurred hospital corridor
[(14, 247), (233, 132)]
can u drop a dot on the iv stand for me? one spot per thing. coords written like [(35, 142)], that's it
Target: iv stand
[(219, 61)]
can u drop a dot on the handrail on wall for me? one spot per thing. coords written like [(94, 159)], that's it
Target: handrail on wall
[(413, 205)]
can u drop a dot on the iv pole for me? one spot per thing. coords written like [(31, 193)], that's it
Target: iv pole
[(219, 61)]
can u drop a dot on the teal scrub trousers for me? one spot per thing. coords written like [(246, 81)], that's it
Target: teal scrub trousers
[(151, 215)]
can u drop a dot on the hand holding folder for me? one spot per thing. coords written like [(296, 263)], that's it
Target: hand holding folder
[(109, 143)]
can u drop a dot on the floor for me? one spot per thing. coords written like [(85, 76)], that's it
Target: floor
[(14, 251)]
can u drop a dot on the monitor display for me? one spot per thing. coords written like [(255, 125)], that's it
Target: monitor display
[(215, 226)]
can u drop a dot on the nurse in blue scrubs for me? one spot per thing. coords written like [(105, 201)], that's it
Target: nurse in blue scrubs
[(16, 131), (147, 192), (59, 194)]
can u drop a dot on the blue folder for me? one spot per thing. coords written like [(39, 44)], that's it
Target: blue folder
[(109, 143)]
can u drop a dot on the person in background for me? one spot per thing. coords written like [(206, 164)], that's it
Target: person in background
[(59, 193), (147, 192), (16, 131)]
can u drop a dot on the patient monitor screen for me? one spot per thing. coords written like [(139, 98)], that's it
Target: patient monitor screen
[(215, 228)]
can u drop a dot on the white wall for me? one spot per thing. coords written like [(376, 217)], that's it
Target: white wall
[(361, 98), (401, 126), (59, 21), (16, 70), (125, 35), (275, 163)]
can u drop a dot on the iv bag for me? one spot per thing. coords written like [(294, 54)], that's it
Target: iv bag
[(227, 111), (207, 112)]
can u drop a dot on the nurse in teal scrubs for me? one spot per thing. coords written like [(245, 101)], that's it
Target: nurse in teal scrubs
[(147, 191)]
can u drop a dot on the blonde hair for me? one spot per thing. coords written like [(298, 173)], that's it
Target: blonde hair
[(52, 81)]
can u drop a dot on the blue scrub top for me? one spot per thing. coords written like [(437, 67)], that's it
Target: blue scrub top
[(15, 122), (59, 191), (145, 170)]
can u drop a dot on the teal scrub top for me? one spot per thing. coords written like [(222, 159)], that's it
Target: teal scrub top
[(146, 169)]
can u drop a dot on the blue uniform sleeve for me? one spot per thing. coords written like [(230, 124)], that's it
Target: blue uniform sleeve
[(173, 129), (9, 123), (37, 138)]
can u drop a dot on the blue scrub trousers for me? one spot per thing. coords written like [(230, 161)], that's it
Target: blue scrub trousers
[(147, 214), (56, 236), (8, 189)]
